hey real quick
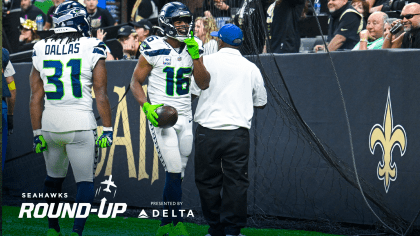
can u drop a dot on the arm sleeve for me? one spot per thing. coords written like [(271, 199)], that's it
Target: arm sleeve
[(9, 71), (349, 25), (98, 52), (259, 94)]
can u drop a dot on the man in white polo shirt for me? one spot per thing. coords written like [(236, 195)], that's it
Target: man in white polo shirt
[(224, 113)]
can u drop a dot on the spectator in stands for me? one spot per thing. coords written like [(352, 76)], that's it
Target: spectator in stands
[(28, 33), (144, 9), (49, 24), (127, 37), (372, 36), (282, 22), (345, 24), (254, 35), (221, 10), (362, 6), (99, 17), (143, 28), (203, 28), (410, 38), (30, 11)]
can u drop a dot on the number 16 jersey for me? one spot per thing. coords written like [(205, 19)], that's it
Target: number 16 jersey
[(170, 79), (66, 71)]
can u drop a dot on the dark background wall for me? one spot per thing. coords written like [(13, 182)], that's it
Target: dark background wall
[(288, 178)]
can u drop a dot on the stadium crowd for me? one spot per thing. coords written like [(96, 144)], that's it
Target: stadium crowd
[(352, 25)]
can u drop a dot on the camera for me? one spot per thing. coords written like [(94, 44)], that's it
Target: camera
[(396, 28)]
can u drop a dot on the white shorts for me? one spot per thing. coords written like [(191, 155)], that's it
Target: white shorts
[(78, 147), (174, 144)]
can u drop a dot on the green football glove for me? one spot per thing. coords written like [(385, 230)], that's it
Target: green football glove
[(105, 140), (150, 111), (192, 46), (39, 144)]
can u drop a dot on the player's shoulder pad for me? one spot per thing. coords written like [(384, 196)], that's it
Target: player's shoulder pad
[(38, 45), (96, 46), (154, 46)]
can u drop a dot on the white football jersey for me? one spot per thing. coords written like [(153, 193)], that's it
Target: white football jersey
[(170, 79), (66, 71)]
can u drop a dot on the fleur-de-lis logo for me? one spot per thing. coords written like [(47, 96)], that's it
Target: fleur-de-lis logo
[(387, 137)]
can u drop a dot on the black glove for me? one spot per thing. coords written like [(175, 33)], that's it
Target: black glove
[(10, 124)]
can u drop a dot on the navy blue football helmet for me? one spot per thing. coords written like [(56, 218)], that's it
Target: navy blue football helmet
[(71, 16), (172, 12)]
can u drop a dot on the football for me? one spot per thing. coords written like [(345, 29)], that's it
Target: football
[(168, 116)]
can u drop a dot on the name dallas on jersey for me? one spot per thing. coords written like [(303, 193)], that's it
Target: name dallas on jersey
[(65, 49)]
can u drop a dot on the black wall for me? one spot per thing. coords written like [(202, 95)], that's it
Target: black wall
[(287, 177)]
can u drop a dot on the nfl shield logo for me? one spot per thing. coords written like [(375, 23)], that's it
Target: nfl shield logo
[(167, 61)]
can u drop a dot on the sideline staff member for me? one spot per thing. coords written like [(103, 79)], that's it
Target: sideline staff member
[(224, 113)]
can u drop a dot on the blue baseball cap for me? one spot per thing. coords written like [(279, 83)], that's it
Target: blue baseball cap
[(230, 34)]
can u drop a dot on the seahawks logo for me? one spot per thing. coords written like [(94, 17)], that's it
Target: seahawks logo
[(144, 46)]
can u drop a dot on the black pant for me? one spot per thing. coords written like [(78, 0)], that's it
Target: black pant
[(221, 160)]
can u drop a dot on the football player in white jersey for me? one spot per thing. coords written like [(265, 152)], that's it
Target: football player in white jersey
[(171, 61), (65, 68)]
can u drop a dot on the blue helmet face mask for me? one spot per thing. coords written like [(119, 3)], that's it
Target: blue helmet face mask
[(171, 13), (71, 16)]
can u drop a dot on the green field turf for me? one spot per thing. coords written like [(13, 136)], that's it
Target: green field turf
[(12, 225)]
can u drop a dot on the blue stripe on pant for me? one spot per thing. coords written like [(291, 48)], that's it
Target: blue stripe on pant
[(5, 131)]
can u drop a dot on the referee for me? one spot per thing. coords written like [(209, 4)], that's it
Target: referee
[(224, 113)]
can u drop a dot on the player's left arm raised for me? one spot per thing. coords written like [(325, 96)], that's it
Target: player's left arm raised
[(201, 75)]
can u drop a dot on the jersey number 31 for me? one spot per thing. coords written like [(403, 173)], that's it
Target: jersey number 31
[(55, 79)]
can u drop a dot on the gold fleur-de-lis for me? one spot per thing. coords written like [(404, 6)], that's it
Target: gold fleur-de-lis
[(387, 136)]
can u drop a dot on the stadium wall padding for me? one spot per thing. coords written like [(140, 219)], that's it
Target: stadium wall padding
[(367, 78)]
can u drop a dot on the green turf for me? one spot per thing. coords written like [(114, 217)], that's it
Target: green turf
[(12, 225)]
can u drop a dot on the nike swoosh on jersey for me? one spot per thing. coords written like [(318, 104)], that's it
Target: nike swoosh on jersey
[(343, 29)]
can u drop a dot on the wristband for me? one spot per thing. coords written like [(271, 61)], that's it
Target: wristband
[(363, 40), (12, 85), (107, 129), (37, 132)]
